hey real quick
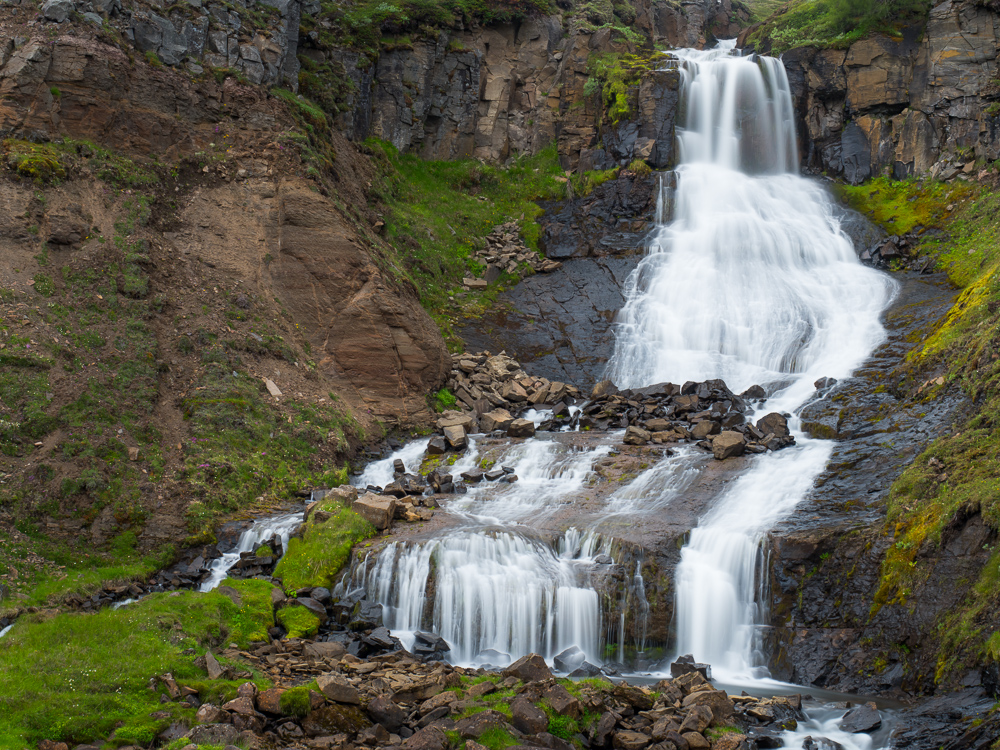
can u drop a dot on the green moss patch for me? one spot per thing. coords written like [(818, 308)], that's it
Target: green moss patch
[(317, 558), (298, 621), (79, 677)]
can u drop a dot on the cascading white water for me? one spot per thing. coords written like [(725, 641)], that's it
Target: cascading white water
[(495, 596), (753, 282), (259, 532), (655, 488), (380, 473)]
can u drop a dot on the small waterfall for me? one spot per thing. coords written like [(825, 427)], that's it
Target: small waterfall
[(755, 283), (259, 532), (657, 486), (491, 596), (380, 473)]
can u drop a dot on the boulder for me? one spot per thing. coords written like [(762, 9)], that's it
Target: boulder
[(698, 719), (269, 701), (527, 717), (636, 436), (773, 424), (213, 734), (568, 660), (864, 718), (209, 714), (455, 436), (562, 702), (378, 510), (386, 712), (530, 668), (335, 718), (312, 605), (704, 428), (428, 738), (628, 740), (521, 428), (728, 445), (57, 10), (498, 419), (319, 650), (337, 689), (436, 446), (720, 704), (476, 725)]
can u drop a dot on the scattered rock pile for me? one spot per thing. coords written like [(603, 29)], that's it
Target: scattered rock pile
[(492, 390), (505, 251), (324, 698), (707, 413)]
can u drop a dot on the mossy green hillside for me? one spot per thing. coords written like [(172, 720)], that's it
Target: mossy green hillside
[(830, 23), (958, 475), (323, 550), (438, 212), (79, 677)]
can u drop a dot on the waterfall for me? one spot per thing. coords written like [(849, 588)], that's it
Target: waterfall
[(492, 597), (755, 283), (259, 532)]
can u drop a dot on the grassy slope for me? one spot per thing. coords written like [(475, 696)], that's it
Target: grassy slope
[(958, 474), (80, 677), (439, 212)]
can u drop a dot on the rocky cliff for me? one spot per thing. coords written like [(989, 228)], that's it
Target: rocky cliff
[(924, 101)]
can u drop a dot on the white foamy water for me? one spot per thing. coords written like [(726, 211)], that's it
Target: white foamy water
[(6, 630), (259, 532), (496, 596), (753, 282), (380, 473), (655, 488)]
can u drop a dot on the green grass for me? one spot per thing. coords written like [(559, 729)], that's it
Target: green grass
[(616, 75), (323, 550), (298, 621), (243, 447), (439, 211), (903, 206), (496, 738), (831, 23), (296, 701), (79, 677)]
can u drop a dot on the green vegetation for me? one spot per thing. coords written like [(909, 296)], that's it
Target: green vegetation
[(585, 184), (616, 75), (299, 622), (496, 738), (79, 677), (437, 211), (243, 448), (831, 23), (444, 400), (957, 475), (36, 161), (296, 701), (324, 549)]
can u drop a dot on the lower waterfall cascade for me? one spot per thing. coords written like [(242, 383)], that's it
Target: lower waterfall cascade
[(752, 282)]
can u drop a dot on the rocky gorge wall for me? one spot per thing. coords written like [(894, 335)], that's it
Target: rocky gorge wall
[(921, 102)]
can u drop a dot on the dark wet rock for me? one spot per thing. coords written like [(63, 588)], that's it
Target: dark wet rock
[(530, 668), (820, 743), (569, 659), (686, 664), (559, 325), (386, 712), (864, 718), (586, 670)]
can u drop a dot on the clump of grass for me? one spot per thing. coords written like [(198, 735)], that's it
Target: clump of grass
[(296, 701), (299, 622), (444, 400), (316, 558), (77, 678), (40, 162)]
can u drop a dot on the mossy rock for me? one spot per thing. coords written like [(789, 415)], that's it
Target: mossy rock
[(298, 621), (336, 718)]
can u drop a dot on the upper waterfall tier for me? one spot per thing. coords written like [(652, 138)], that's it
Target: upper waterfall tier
[(753, 281)]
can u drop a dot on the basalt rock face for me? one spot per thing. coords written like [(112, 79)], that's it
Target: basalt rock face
[(829, 625), (901, 105)]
